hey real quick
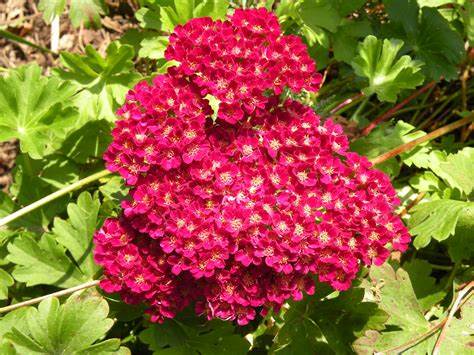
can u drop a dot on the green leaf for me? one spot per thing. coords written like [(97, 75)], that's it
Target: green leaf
[(426, 290), (327, 14), (43, 262), (148, 18), (430, 37), (51, 8), (346, 39), (456, 169), (32, 109), (59, 171), (437, 45), (169, 18), (320, 13), (165, 15), (189, 337), (461, 244), (406, 321), (86, 12), (46, 262), (468, 20), (70, 328), (427, 181), (460, 332), (216, 9), (386, 137), (404, 12), (15, 318), (434, 3), (88, 141), (76, 233), (347, 7), (29, 186), (387, 75), (343, 318), (105, 80), (297, 336), (184, 9), (330, 325), (5, 282), (436, 219), (114, 189), (214, 103), (153, 47)]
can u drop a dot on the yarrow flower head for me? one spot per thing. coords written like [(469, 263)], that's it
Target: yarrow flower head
[(237, 216), (242, 61)]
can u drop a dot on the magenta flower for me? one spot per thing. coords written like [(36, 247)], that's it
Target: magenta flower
[(235, 215)]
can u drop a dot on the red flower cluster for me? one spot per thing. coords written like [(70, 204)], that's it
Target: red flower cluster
[(236, 215), (241, 60)]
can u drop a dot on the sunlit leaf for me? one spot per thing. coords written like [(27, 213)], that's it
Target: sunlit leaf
[(86, 12), (73, 327), (436, 219), (32, 109), (406, 320), (105, 81), (429, 35), (387, 73), (189, 337), (46, 262)]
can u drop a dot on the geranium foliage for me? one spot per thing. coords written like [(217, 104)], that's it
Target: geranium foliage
[(209, 181)]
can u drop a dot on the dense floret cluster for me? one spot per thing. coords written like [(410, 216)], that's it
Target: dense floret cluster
[(241, 61), (236, 215)]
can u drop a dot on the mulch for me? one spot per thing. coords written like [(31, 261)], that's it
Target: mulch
[(22, 18)]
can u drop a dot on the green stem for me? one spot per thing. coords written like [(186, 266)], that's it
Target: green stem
[(438, 110), (395, 108), (55, 294), (347, 104), (355, 115), (452, 275), (441, 267), (41, 202), (430, 136), (423, 102), (13, 37)]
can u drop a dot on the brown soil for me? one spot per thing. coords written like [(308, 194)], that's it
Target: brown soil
[(8, 152), (22, 18)]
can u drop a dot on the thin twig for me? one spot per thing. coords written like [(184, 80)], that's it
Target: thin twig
[(346, 102), (54, 294), (412, 342), (53, 196), (395, 108), (442, 105), (454, 309), (400, 348), (412, 204), (464, 78), (13, 37), (412, 144), (55, 32)]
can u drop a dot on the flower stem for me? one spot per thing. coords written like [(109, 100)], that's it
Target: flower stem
[(347, 103), (456, 306), (460, 300), (41, 202), (13, 37), (54, 294), (412, 144), (395, 108)]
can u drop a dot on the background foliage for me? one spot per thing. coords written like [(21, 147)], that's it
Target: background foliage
[(404, 65)]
